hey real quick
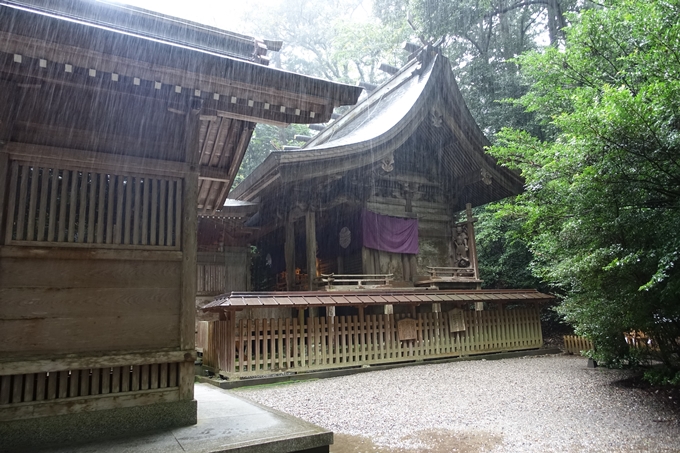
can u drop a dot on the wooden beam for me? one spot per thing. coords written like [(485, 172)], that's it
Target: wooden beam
[(88, 160), (272, 118), (106, 143), (87, 404), (86, 58), (213, 173), (239, 152), (91, 252), (207, 142), (85, 361)]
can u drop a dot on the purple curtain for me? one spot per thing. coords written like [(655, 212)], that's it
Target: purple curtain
[(390, 234)]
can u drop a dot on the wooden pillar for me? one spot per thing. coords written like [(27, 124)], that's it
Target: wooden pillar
[(406, 268), (413, 262), (8, 111), (4, 185), (367, 261), (230, 342), (189, 251), (472, 247), (289, 251), (362, 330), (310, 230)]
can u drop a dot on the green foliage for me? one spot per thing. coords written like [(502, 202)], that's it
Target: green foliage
[(504, 255), (602, 203), (481, 39), (331, 39), (267, 138), (662, 376)]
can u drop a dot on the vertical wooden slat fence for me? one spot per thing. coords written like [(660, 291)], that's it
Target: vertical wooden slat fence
[(574, 344), (64, 384), (73, 206), (261, 346)]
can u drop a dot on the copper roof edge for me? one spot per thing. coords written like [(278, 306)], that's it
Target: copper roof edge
[(367, 297)]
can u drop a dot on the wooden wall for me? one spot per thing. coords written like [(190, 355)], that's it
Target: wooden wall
[(54, 302), (97, 281), (434, 239)]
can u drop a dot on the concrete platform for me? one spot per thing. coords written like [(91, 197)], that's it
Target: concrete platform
[(226, 423)]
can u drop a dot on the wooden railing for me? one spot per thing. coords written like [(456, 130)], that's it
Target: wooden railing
[(451, 273), (574, 344), (261, 346), (639, 340), (362, 281)]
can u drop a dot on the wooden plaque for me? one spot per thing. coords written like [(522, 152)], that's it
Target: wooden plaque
[(406, 328), (456, 320)]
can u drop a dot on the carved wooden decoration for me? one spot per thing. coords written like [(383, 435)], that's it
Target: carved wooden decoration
[(406, 329), (461, 247), (345, 237)]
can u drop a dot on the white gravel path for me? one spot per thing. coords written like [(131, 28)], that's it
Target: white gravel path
[(533, 404)]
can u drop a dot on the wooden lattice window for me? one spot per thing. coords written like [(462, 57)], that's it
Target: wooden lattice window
[(57, 206), (60, 385)]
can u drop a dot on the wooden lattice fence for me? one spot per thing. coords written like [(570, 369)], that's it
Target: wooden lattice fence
[(261, 346), (574, 344)]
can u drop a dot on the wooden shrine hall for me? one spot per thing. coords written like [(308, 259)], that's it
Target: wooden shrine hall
[(118, 127), (380, 190), (365, 241)]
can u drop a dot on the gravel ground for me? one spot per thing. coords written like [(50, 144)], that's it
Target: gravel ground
[(533, 404)]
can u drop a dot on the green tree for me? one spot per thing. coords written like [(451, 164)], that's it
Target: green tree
[(504, 255), (267, 138), (481, 39), (333, 39), (602, 203)]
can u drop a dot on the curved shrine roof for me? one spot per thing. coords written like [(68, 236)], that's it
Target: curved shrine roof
[(423, 95)]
